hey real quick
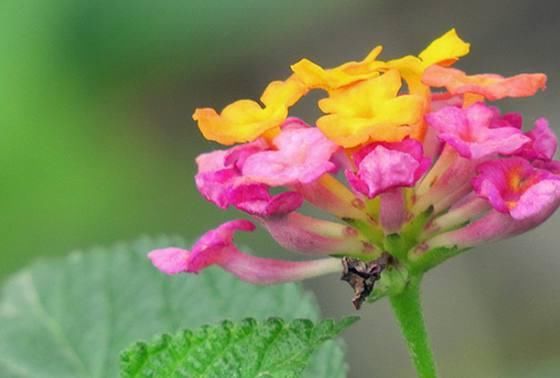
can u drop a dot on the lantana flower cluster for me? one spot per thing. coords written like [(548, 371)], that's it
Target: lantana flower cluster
[(411, 164)]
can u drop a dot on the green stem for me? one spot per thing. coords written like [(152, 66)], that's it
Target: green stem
[(408, 310)]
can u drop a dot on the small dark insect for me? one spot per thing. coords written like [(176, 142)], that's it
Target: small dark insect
[(362, 275)]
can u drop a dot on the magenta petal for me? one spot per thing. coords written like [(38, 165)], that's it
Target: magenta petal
[(216, 246), (543, 142), (302, 156), (552, 166), (169, 260), (382, 167), (513, 119), (491, 183), (283, 203), (256, 200), (294, 123), (214, 186), (220, 181), (514, 186), (219, 172)]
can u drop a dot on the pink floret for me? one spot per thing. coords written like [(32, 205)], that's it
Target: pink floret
[(302, 155), (472, 132), (514, 186), (385, 166), (221, 181)]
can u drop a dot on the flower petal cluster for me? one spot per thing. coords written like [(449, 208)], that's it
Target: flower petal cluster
[(385, 166), (410, 164)]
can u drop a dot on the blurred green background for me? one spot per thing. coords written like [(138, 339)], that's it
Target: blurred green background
[(97, 145)]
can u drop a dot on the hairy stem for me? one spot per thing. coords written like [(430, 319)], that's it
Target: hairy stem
[(407, 309)]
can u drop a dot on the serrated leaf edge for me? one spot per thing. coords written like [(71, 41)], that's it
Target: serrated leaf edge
[(141, 348)]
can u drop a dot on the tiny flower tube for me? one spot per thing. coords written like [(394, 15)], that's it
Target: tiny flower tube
[(302, 155), (332, 196), (491, 227), (432, 145), (447, 182), (312, 236), (393, 211), (386, 166), (458, 215), (216, 248), (469, 131), (490, 86), (458, 192), (445, 159), (513, 186)]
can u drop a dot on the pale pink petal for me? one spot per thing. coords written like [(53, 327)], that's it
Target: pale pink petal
[(169, 260), (302, 156), (536, 199), (263, 271), (300, 233), (470, 132)]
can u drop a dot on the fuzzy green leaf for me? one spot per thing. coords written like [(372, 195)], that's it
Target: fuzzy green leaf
[(71, 317), (250, 348)]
